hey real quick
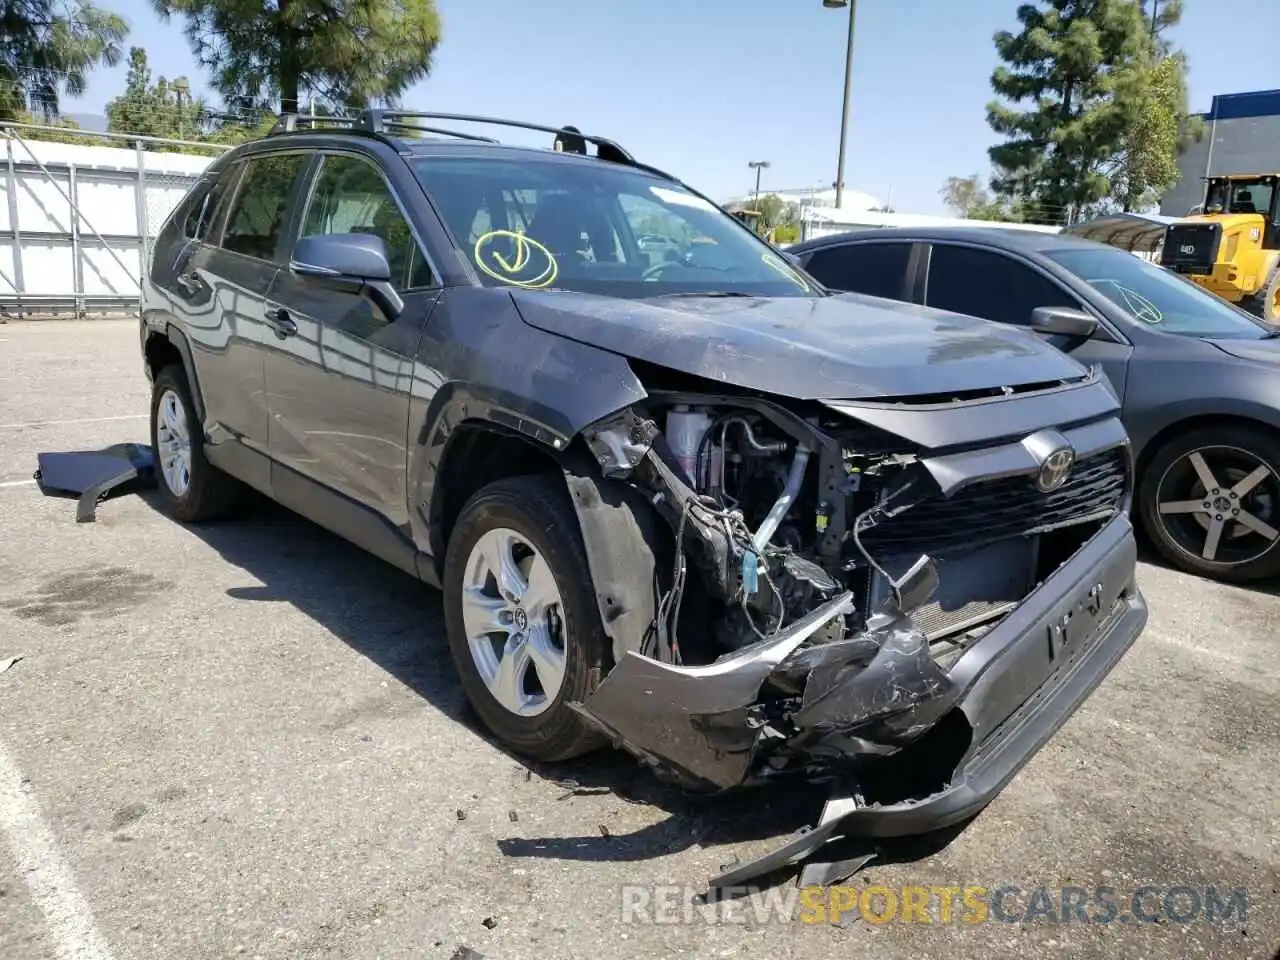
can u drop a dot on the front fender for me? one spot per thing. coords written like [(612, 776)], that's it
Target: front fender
[(478, 361), (1230, 389)]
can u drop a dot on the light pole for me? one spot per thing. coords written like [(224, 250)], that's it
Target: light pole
[(757, 165), (848, 79)]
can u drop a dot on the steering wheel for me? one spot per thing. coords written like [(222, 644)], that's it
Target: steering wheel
[(655, 271)]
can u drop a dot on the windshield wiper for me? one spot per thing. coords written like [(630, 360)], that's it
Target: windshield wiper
[(710, 293)]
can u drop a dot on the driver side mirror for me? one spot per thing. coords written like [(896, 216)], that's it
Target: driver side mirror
[(351, 257), (1063, 322)]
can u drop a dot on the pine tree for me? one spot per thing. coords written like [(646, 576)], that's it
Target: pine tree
[(48, 47), (349, 52), (1076, 62)]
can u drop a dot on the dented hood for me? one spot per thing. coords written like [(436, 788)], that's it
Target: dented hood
[(846, 346)]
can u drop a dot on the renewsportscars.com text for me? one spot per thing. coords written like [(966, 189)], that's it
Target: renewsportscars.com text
[(959, 904)]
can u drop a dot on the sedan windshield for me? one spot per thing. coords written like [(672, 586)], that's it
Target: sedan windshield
[(1156, 296), (595, 227)]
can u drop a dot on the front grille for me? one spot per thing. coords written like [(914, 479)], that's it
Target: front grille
[(1191, 247), (991, 510)]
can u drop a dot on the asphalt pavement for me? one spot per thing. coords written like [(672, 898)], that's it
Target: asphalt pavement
[(246, 740)]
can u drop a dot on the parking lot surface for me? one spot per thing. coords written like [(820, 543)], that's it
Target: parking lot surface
[(247, 740)]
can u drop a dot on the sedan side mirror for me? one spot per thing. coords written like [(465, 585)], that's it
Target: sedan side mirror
[(352, 257), (1063, 322)]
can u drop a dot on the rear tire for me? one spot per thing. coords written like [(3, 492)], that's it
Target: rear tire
[(1210, 502), (191, 488), (527, 643)]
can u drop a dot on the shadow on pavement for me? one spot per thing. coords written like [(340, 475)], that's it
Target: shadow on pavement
[(1149, 554), (397, 623)]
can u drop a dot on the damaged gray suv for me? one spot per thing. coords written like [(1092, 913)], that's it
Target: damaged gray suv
[(677, 495)]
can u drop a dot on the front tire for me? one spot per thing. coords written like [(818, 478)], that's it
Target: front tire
[(191, 488), (520, 611), (1210, 502), (1265, 304)]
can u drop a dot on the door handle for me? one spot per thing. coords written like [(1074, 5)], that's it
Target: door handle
[(189, 282), (280, 321)]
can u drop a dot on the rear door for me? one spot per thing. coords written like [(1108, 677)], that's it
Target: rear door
[(995, 285), (339, 370), (220, 284)]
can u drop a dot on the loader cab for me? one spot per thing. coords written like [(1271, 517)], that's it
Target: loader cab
[(1240, 195), (1231, 244)]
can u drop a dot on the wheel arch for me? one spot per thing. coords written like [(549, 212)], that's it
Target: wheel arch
[(165, 344), (622, 533), (1160, 438), (476, 452)]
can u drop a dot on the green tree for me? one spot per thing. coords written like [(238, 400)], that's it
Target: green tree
[(962, 194), (350, 52), (967, 197), (1076, 62), (48, 47), (1159, 125), (1148, 164), (163, 109)]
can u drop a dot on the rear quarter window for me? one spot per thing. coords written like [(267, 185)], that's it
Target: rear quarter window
[(202, 204)]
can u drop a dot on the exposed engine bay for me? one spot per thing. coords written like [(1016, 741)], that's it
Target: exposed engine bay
[(815, 580)]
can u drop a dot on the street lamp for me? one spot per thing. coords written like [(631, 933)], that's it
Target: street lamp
[(848, 77), (757, 165)]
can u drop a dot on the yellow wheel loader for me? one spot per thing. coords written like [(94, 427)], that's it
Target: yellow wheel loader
[(1232, 247)]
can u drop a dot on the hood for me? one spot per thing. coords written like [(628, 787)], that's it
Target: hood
[(847, 346), (1260, 351)]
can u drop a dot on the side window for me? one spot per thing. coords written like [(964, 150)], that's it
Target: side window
[(258, 213), (990, 285), (203, 204), (876, 269), (351, 196)]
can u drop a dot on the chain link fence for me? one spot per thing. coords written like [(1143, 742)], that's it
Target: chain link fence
[(79, 211)]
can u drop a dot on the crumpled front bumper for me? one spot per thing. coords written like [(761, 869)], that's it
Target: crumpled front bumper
[(828, 707)]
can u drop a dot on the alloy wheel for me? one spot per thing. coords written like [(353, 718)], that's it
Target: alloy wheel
[(1220, 504), (173, 443), (513, 616)]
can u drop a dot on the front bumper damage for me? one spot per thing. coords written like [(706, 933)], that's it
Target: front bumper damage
[(830, 710)]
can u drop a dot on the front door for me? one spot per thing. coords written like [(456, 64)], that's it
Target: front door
[(993, 285), (339, 370)]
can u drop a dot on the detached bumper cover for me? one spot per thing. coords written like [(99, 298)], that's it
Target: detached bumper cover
[(829, 705)]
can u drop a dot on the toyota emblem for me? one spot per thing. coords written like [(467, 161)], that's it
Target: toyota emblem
[(1055, 469)]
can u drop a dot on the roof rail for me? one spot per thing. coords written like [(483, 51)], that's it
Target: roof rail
[(290, 122), (397, 126), (390, 122), (565, 136)]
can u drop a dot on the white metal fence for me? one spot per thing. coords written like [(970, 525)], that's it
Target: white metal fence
[(77, 220)]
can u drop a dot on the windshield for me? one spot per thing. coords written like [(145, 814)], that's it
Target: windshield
[(1240, 196), (556, 223), (1155, 296)]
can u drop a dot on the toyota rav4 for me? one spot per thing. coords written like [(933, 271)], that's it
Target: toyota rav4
[(678, 496)]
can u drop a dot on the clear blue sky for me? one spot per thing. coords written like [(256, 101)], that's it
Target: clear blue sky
[(700, 87)]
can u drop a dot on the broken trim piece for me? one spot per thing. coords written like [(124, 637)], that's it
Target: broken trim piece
[(621, 541), (644, 702), (94, 474)]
